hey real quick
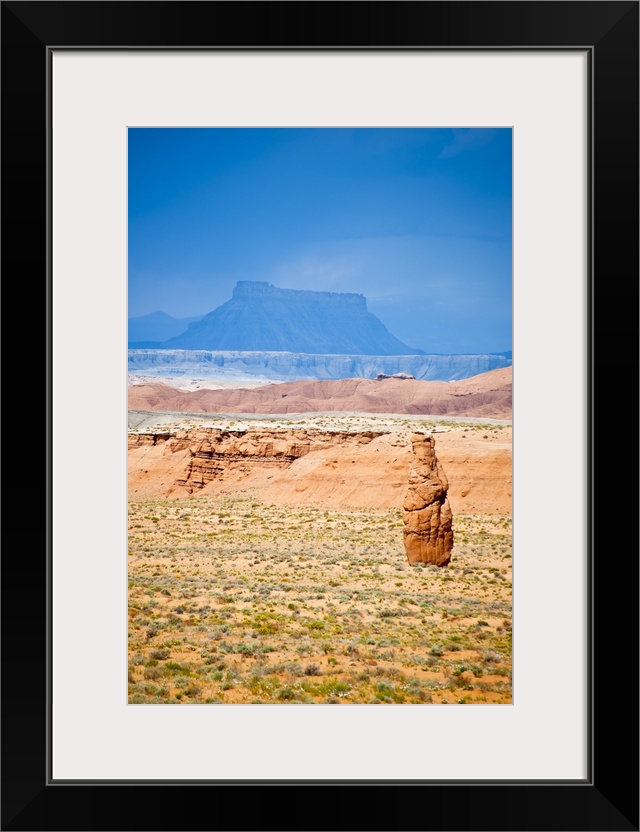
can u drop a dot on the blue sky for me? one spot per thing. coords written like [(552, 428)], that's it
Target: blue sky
[(418, 220)]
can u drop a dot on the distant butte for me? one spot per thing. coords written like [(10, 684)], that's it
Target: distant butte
[(260, 316)]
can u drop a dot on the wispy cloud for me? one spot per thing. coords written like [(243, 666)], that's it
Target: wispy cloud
[(325, 273), (467, 139)]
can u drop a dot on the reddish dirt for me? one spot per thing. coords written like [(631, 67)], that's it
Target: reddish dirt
[(487, 395), (477, 463)]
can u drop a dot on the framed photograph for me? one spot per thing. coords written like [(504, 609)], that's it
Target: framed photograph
[(298, 471), (152, 664)]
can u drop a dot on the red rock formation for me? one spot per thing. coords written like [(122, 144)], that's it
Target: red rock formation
[(213, 454), (342, 468), (428, 533), (484, 395)]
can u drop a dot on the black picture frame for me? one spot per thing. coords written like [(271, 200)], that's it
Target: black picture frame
[(608, 798)]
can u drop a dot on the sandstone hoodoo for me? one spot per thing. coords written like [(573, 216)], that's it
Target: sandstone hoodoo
[(428, 521)]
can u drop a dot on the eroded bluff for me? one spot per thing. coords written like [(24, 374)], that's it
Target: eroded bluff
[(212, 455), (427, 517)]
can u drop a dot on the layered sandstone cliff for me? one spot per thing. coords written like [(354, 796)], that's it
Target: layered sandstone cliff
[(223, 458), (291, 365), (347, 468)]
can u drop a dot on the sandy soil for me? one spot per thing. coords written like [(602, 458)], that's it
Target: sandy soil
[(234, 599), (487, 395)]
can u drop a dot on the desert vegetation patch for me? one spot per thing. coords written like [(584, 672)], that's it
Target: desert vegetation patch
[(233, 599)]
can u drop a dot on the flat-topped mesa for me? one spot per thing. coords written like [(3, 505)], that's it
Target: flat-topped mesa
[(262, 317), (428, 521), (261, 289)]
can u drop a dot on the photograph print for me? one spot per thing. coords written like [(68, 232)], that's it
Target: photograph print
[(319, 416)]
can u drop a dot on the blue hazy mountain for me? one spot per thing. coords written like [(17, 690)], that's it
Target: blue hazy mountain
[(158, 326), (260, 316)]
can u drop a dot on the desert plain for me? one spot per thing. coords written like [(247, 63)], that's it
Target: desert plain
[(266, 562)]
